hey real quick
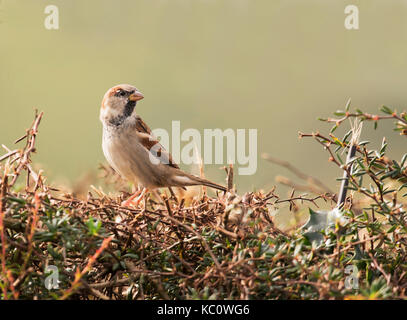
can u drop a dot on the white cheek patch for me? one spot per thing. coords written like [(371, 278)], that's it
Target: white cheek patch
[(109, 111), (103, 111)]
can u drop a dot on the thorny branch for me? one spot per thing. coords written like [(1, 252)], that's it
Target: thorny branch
[(223, 247)]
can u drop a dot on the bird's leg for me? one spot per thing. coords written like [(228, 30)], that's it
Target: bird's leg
[(130, 199), (139, 194)]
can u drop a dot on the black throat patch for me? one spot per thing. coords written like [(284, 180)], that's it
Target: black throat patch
[(128, 109), (127, 112)]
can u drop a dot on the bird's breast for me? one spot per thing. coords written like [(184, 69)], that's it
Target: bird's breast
[(128, 157), (118, 154)]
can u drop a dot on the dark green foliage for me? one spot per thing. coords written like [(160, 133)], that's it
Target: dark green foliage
[(224, 247)]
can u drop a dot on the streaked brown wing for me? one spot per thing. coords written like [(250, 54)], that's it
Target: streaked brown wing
[(148, 141)]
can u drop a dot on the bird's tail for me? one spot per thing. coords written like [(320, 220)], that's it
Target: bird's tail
[(191, 180)]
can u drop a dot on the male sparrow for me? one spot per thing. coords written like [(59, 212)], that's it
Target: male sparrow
[(132, 150)]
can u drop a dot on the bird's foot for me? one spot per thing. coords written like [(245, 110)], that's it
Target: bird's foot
[(131, 202)]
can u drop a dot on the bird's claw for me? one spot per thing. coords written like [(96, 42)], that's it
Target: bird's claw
[(135, 203), (132, 203)]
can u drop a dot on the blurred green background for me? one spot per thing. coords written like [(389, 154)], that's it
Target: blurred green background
[(271, 65)]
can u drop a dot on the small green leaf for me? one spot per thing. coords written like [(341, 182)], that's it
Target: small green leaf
[(386, 110), (403, 160), (93, 226), (348, 104)]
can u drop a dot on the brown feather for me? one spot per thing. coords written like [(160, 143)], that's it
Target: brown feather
[(149, 141)]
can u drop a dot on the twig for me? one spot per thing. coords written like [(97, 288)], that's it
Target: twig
[(298, 173)]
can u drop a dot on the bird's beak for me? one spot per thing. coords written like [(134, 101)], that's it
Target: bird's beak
[(135, 96)]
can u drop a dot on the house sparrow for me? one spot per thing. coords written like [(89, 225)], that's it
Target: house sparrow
[(132, 150)]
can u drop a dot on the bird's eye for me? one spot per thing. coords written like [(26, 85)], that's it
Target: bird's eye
[(121, 93)]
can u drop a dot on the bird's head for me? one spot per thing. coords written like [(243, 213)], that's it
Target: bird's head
[(118, 103)]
